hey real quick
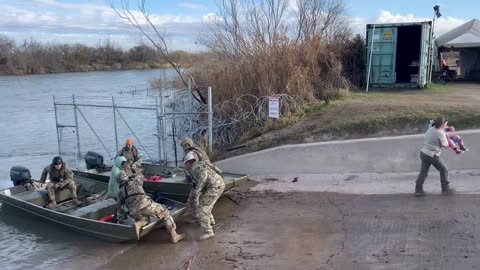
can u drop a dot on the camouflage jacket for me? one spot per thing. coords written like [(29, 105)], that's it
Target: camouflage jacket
[(200, 155), (205, 178), (132, 195), (57, 176), (132, 156)]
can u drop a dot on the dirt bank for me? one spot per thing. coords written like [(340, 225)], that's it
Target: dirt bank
[(269, 230), (376, 114)]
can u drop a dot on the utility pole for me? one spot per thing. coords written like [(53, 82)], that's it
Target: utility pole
[(436, 14)]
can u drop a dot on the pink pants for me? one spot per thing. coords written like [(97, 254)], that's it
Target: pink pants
[(455, 141)]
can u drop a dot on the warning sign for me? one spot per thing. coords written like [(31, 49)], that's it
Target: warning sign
[(387, 35), (273, 107)]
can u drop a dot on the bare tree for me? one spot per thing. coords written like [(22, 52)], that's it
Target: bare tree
[(224, 35), (320, 18), (142, 53), (142, 20), (7, 47), (244, 27), (266, 22)]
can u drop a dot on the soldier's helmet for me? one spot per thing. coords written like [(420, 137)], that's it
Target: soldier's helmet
[(188, 157), (57, 161), (187, 142)]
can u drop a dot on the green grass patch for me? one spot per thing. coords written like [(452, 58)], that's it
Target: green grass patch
[(435, 87), (363, 126), (271, 125), (370, 124), (314, 107), (283, 122), (279, 123), (383, 118), (372, 94)]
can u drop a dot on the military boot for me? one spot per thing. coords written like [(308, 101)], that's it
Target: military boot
[(76, 201), (138, 226), (52, 205), (207, 235), (176, 237)]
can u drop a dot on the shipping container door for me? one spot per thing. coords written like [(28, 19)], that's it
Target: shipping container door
[(425, 47), (383, 55)]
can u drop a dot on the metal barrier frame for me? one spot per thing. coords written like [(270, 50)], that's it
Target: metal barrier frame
[(161, 117)]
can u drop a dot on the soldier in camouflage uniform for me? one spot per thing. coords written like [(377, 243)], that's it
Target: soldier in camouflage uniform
[(130, 152), (132, 200), (61, 177), (200, 155), (209, 188)]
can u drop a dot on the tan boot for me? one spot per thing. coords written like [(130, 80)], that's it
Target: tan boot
[(212, 221), (176, 237), (76, 201), (207, 235), (52, 205), (138, 226)]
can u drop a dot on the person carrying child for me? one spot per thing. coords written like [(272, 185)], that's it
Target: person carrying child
[(454, 141)]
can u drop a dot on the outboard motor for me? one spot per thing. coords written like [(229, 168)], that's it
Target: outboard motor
[(20, 175), (94, 160)]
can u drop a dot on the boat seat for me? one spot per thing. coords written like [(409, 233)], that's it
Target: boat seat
[(91, 187), (97, 209), (40, 196), (17, 190)]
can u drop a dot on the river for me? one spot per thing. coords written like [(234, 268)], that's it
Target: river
[(29, 138)]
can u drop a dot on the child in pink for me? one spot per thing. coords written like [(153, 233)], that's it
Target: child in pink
[(454, 141)]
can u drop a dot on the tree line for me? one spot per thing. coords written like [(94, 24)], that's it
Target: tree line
[(33, 57)]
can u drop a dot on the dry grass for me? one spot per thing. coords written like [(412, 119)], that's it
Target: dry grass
[(307, 73), (310, 71)]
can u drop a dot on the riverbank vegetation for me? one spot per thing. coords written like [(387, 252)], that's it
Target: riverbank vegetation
[(305, 53), (33, 57), (271, 48)]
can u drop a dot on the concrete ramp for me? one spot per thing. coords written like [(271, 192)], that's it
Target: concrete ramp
[(373, 155), (465, 182)]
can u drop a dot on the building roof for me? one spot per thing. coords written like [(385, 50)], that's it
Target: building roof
[(466, 35)]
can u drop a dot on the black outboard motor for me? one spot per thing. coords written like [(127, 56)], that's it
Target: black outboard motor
[(20, 175), (94, 160)]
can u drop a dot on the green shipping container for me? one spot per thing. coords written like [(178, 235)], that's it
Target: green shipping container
[(399, 54)]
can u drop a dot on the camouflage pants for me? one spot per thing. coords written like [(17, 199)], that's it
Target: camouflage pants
[(205, 206), (192, 211), (143, 215), (67, 184)]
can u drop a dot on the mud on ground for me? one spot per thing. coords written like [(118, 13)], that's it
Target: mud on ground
[(270, 230)]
